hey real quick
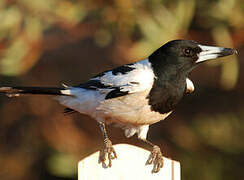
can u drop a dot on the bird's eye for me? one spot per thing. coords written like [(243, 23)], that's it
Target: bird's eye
[(187, 51)]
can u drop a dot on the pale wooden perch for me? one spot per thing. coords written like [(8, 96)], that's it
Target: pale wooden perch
[(130, 165)]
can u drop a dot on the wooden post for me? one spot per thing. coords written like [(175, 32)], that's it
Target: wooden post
[(130, 165)]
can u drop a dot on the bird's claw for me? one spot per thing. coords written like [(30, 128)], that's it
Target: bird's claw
[(156, 158), (107, 152)]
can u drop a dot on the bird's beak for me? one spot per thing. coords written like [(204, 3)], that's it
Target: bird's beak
[(212, 52)]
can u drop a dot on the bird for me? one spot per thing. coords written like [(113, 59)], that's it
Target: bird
[(134, 96)]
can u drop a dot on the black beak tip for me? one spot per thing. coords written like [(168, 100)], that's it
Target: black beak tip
[(229, 51)]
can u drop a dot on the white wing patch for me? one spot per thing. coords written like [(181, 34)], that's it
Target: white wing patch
[(86, 100), (136, 80)]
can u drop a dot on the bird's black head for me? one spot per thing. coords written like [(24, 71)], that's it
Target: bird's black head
[(171, 64), (184, 55)]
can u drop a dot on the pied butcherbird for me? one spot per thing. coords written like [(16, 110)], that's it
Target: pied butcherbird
[(136, 95)]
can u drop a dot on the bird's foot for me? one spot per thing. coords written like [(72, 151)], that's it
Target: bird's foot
[(156, 158), (107, 153)]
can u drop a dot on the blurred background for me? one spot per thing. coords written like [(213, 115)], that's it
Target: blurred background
[(49, 42)]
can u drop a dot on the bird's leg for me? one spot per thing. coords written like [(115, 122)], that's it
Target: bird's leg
[(155, 158), (108, 151)]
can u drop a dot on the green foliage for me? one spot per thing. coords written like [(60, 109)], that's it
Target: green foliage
[(62, 164)]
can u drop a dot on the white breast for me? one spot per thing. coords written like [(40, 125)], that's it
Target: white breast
[(132, 109)]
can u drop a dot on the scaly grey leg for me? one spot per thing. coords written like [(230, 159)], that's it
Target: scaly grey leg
[(108, 151)]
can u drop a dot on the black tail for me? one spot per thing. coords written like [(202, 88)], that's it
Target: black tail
[(16, 91)]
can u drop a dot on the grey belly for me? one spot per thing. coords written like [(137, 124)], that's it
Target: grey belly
[(132, 109)]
